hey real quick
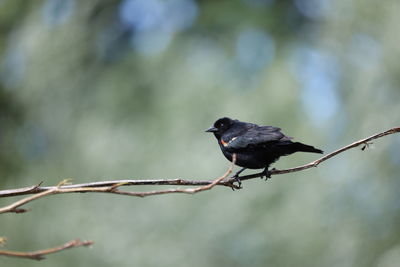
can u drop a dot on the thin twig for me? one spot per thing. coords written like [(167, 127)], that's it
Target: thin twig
[(105, 186), (61, 188), (39, 191), (14, 206), (39, 254), (315, 163)]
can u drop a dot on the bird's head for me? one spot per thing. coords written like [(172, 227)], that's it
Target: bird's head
[(220, 126)]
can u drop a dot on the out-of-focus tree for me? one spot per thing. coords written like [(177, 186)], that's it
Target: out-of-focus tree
[(123, 89)]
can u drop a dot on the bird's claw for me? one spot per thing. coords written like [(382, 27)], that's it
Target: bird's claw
[(267, 174), (237, 179)]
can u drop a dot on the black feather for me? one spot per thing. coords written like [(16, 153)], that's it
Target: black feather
[(255, 146)]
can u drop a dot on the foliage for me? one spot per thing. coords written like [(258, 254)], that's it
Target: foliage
[(100, 90)]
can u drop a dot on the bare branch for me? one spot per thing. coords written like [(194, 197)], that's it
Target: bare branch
[(14, 206), (39, 254), (112, 186), (315, 163), (61, 188), (38, 191)]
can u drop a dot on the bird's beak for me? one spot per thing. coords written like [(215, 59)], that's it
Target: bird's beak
[(211, 129)]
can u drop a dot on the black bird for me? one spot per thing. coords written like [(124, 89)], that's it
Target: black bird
[(255, 146)]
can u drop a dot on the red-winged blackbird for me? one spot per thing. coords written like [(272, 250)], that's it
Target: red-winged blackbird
[(255, 146)]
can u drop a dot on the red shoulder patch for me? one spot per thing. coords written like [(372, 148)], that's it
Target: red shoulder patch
[(224, 143)]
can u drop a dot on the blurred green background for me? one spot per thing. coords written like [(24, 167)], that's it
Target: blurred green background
[(98, 90)]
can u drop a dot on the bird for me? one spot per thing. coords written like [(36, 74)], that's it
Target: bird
[(255, 146)]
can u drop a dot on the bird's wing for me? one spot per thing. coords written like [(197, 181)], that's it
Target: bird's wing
[(255, 136)]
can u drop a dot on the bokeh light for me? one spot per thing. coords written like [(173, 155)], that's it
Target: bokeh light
[(153, 23), (102, 90)]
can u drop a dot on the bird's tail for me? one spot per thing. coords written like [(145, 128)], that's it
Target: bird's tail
[(305, 148)]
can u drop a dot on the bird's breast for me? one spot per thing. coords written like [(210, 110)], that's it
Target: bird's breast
[(252, 158)]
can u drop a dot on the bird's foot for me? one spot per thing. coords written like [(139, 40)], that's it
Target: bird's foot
[(237, 179), (266, 173)]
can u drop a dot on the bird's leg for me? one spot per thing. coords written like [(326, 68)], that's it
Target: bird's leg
[(236, 177), (266, 173)]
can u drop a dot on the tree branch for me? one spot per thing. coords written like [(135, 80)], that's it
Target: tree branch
[(61, 188), (38, 191), (112, 186), (39, 254), (315, 163)]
